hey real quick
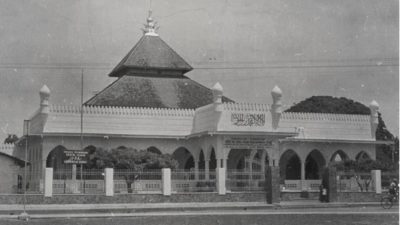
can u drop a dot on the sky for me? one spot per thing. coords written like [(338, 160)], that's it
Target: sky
[(311, 47)]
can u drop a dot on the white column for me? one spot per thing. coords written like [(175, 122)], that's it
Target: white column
[(225, 165), (376, 181), (196, 170), (48, 182), (207, 169), (303, 176), (109, 181), (166, 181), (221, 177), (218, 163)]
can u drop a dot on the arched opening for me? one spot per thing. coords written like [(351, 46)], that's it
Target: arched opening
[(155, 150), (184, 157), (258, 160), (362, 156), (236, 159), (339, 156), (55, 159), (266, 159), (315, 162), (213, 160), (201, 160), (290, 166)]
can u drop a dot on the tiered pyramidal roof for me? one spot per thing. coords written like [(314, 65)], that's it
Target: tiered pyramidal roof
[(152, 75)]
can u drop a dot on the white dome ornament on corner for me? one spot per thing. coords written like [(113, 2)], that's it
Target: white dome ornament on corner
[(374, 117), (276, 107), (44, 99), (276, 92), (217, 91)]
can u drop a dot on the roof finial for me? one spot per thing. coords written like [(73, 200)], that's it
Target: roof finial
[(150, 27)]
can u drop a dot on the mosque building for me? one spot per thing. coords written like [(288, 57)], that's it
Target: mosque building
[(152, 105)]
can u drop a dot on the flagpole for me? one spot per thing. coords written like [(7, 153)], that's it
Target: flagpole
[(24, 215), (83, 188)]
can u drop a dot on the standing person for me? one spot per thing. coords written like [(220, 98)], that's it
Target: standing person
[(321, 187), (393, 189), (324, 194)]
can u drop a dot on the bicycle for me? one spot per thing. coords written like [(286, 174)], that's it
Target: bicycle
[(388, 200)]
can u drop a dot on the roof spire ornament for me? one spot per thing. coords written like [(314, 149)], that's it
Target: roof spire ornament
[(150, 27)]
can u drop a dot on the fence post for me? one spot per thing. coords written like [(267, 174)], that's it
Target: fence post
[(221, 180), (329, 180), (376, 181), (48, 182), (272, 187), (166, 181), (109, 181)]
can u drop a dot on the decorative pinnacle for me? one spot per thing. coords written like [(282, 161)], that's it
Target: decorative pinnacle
[(44, 91), (217, 87), (276, 92), (374, 105), (150, 27)]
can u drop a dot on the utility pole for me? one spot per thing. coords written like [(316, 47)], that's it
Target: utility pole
[(81, 143), (24, 215)]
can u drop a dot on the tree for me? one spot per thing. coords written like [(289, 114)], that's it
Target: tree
[(11, 139), (329, 104), (134, 161)]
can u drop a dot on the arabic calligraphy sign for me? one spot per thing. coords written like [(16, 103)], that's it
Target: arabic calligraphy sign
[(247, 119), (247, 142)]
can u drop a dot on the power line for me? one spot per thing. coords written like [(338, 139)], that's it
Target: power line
[(293, 67), (99, 67)]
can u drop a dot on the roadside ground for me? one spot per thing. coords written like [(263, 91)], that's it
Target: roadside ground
[(135, 209)]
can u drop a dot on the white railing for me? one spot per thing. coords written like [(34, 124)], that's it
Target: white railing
[(238, 180), (90, 181), (78, 186), (325, 117), (192, 181), (230, 106), (129, 111), (299, 185), (294, 185), (149, 181), (312, 184)]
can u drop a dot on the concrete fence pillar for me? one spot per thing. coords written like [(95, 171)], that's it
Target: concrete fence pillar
[(272, 187), (329, 180), (221, 180), (166, 181), (48, 182), (109, 181), (376, 181)]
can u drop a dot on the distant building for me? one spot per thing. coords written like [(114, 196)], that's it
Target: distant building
[(152, 105), (11, 170)]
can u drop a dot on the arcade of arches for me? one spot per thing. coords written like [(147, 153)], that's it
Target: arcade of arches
[(292, 165)]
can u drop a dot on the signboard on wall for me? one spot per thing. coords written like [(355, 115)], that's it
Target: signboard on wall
[(248, 119), (247, 142), (75, 157)]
